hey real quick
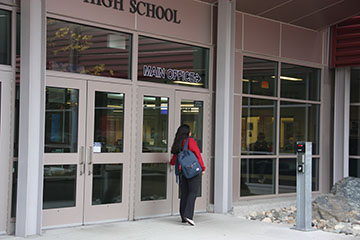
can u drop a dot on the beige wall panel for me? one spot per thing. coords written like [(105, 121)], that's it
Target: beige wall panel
[(236, 179), (237, 126), (238, 72), (261, 36), (92, 12), (301, 44), (238, 30), (195, 20)]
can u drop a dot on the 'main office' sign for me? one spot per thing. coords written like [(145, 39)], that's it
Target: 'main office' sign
[(142, 8)]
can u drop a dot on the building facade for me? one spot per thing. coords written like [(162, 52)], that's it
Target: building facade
[(92, 92)]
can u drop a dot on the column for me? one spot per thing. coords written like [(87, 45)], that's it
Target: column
[(31, 127), (224, 106), (341, 124)]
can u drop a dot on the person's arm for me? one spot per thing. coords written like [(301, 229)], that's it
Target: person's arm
[(192, 146), (172, 161)]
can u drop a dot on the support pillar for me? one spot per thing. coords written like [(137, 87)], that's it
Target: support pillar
[(341, 124), (31, 126), (224, 106)]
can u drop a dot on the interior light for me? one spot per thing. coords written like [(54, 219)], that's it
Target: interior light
[(189, 83), (289, 78)]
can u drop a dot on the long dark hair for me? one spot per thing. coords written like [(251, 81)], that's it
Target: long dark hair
[(182, 133)]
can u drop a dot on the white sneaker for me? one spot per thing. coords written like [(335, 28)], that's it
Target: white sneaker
[(189, 221)]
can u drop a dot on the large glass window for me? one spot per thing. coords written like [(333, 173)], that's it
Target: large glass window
[(260, 76), (172, 63), (5, 37), (300, 82), (354, 134), (155, 124), (278, 109), (258, 126), (61, 122), (83, 49)]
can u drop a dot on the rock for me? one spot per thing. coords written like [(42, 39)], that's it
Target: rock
[(267, 220), (347, 230)]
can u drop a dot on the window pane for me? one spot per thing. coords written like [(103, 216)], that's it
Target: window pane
[(260, 76), (153, 181), (5, 37), (172, 63), (354, 167), (107, 183), (355, 86), (192, 113), (109, 122), (83, 49), (258, 126), (287, 175), (59, 186), (257, 177), (298, 122), (155, 124), (300, 82), (354, 144), (61, 123), (315, 174)]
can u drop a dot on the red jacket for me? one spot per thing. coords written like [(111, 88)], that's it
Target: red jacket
[(192, 146)]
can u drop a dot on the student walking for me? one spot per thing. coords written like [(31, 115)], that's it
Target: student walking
[(188, 187)]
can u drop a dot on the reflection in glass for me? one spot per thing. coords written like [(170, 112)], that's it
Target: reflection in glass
[(192, 114), (258, 126), (59, 186), (315, 174), (299, 122), (300, 82), (109, 122), (260, 76), (354, 143), (16, 119), (155, 124), (354, 167), (14, 189), (61, 122), (287, 175), (153, 181), (172, 63), (5, 37), (257, 177), (76, 48), (107, 183), (355, 86)]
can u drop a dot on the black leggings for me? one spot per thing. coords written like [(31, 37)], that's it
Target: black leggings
[(189, 189)]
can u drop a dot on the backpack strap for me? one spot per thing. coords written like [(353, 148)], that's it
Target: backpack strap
[(186, 144)]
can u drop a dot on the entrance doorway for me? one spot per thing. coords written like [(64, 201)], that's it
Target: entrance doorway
[(87, 152), (162, 113)]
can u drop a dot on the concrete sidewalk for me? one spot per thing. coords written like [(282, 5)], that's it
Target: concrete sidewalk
[(208, 226)]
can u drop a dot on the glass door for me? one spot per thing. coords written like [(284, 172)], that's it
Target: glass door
[(108, 152), (153, 195), (193, 109), (87, 151), (65, 121)]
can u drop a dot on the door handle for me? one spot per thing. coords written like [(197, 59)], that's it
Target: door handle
[(90, 155), (81, 160)]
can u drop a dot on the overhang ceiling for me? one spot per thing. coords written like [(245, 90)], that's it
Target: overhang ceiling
[(313, 14)]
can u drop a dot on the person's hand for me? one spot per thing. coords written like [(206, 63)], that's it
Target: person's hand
[(203, 172)]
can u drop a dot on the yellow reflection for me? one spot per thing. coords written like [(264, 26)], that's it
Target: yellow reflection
[(189, 83)]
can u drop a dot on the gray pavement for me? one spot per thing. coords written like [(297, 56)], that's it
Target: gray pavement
[(208, 226)]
